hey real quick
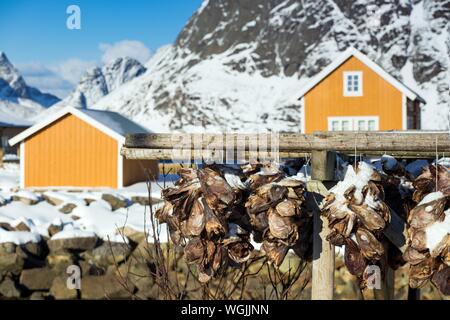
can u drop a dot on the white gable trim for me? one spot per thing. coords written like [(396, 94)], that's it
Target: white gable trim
[(22, 164), (119, 166), (404, 112), (61, 113), (364, 59), (302, 115)]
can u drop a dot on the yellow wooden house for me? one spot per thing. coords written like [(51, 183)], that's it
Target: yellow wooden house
[(354, 93), (76, 148)]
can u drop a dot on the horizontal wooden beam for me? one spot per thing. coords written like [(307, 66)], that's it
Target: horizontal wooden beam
[(379, 141), (383, 141), (177, 154), (405, 144)]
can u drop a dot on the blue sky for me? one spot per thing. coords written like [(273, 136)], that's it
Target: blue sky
[(34, 35)]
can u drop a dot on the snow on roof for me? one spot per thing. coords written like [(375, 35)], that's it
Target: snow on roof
[(110, 123), (367, 61), (115, 121)]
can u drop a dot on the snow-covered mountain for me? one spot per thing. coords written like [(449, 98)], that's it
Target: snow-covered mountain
[(98, 82), (19, 102), (240, 64)]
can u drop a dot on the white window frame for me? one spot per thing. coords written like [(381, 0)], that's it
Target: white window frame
[(351, 93), (354, 122)]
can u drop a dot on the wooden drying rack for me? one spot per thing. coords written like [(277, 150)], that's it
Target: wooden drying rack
[(321, 148)]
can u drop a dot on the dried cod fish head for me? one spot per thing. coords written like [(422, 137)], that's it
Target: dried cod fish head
[(251, 168), (418, 239), (257, 180), (163, 213), (259, 221), (427, 213), (194, 251), (291, 183), (188, 174), (195, 224), (446, 256), (376, 193), (219, 259), (426, 183), (371, 248), (256, 204), (344, 226), (275, 251), (214, 225), (217, 192), (287, 208), (263, 191), (239, 251), (444, 180), (216, 258), (270, 168), (441, 279), (205, 273), (368, 217), (280, 227), (277, 193), (335, 238), (420, 273), (349, 194), (354, 260), (414, 256)]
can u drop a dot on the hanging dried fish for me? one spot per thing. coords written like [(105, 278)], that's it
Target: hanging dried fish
[(429, 230), (357, 215), (213, 212), (353, 258)]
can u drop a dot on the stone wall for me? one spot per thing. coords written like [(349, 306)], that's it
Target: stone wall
[(109, 270)]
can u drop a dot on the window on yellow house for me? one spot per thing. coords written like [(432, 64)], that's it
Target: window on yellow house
[(353, 83), (363, 123)]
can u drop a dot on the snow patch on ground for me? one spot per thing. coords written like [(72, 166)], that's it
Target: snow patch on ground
[(18, 237), (93, 219)]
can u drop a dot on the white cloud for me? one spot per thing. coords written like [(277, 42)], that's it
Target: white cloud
[(61, 77), (125, 48), (72, 69), (41, 77), (58, 79)]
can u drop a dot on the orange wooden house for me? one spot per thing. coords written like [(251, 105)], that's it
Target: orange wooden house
[(354, 93), (79, 148)]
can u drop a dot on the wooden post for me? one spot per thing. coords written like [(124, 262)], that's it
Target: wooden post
[(322, 165), (323, 265), (323, 262)]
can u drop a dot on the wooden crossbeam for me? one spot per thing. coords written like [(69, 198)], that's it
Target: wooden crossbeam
[(396, 143)]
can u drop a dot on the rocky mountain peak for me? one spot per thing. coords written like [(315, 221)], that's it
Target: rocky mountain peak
[(240, 64), (18, 101), (11, 82), (98, 82)]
